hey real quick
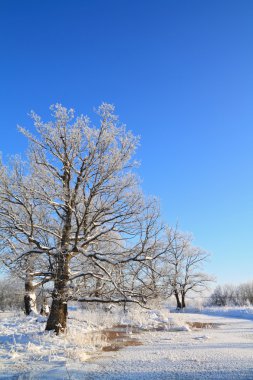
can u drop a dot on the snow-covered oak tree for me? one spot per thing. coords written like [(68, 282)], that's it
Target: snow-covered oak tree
[(78, 207)]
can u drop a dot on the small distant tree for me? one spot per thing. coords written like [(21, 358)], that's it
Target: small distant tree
[(20, 224), (184, 264)]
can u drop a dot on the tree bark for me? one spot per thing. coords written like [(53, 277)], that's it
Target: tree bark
[(183, 300), (57, 319), (30, 296), (179, 305)]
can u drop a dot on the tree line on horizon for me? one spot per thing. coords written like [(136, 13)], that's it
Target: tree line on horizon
[(232, 295)]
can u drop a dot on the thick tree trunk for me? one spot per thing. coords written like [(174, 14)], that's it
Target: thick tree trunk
[(57, 319), (30, 296), (179, 305)]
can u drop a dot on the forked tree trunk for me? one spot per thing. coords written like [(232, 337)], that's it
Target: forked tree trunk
[(57, 319), (30, 295), (179, 305)]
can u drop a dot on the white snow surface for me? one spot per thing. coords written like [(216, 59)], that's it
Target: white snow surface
[(176, 352)]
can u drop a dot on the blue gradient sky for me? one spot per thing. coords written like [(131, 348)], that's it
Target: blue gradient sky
[(180, 74)]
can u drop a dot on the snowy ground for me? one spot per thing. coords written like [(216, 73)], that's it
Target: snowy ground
[(224, 351)]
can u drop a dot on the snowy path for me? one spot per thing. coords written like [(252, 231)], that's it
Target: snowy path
[(225, 352)]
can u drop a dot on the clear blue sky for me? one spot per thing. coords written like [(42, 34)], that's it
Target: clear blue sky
[(180, 74)]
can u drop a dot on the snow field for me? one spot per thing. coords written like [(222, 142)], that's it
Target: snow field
[(224, 352), (24, 343)]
